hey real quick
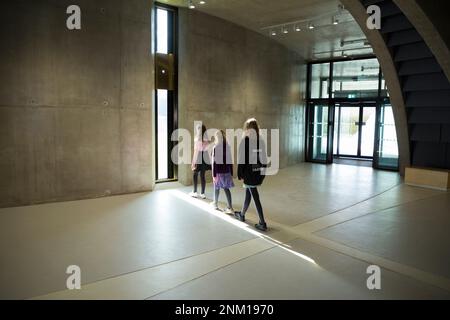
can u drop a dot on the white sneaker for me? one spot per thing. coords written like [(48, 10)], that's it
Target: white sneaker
[(202, 196), (194, 194), (229, 211), (214, 205)]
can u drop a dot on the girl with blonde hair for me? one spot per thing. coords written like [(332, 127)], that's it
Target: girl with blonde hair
[(252, 159)]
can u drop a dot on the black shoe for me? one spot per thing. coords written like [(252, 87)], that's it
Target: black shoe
[(261, 226), (239, 216)]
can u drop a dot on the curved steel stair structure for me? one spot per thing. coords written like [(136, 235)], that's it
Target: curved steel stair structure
[(425, 88)]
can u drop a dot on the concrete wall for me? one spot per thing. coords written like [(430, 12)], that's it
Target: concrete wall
[(75, 106), (228, 74)]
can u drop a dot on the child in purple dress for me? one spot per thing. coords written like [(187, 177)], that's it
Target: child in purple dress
[(222, 170)]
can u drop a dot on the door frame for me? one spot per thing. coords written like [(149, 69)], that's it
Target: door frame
[(310, 133), (361, 105), (376, 156), (378, 101)]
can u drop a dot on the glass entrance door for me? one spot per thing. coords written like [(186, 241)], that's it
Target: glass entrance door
[(320, 133), (367, 128), (355, 131), (347, 138), (386, 153)]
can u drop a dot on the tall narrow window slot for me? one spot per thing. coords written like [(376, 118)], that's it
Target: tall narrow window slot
[(166, 89)]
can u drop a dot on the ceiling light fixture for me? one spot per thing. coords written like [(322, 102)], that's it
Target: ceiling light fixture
[(191, 5), (273, 33), (310, 26), (297, 28), (335, 20), (202, 2), (285, 30)]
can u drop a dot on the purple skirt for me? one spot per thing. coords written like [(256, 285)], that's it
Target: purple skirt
[(224, 181)]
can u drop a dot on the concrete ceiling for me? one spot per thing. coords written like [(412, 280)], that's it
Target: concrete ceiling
[(321, 43)]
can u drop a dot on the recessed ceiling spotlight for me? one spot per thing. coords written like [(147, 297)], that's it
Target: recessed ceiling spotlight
[(310, 26), (191, 5), (202, 2)]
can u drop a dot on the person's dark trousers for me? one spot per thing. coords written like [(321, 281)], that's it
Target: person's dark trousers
[(202, 180), (249, 194)]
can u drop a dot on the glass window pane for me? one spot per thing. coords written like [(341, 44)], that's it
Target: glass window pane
[(320, 78), (162, 29), (349, 131), (336, 129), (320, 137), (388, 145), (163, 172), (356, 79), (368, 131), (384, 89)]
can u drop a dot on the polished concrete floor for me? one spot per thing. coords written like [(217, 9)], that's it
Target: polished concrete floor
[(327, 225)]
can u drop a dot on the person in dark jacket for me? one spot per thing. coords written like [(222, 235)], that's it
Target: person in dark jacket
[(252, 159), (222, 170)]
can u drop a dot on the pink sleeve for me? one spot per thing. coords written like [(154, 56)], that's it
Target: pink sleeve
[(204, 145), (194, 157)]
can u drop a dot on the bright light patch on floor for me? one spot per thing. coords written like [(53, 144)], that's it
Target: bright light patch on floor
[(207, 208)]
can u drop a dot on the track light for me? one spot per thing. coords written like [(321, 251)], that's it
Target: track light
[(335, 18), (191, 5)]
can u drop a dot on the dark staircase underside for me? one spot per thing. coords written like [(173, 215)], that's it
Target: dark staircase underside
[(426, 89)]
